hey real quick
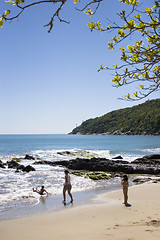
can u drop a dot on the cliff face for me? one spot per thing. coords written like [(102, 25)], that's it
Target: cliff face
[(141, 119)]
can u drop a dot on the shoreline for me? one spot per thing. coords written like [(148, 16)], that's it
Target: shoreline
[(104, 217), (116, 134), (53, 203)]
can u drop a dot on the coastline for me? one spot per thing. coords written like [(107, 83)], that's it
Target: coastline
[(53, 203), (118, 133), (104, 217)]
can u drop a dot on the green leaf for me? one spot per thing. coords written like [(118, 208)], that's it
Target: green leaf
[(115, 39), (116, 79), (131, 24), (101, 67), (86, 12), (134, 2), (141, 25), (89, 12), (110, 45), (129, 48), (1, 22), (121, 33), (6, 12), (135, 94), (127, 96), (124, 1), (123, 13), (91, 26), (115, 66)]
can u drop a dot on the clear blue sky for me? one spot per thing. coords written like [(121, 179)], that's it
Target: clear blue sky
[(49, 82)]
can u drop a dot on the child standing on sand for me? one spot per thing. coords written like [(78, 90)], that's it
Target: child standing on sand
[(67, 187), (125, 185)]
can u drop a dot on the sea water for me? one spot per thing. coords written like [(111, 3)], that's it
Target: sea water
[(16, 194)]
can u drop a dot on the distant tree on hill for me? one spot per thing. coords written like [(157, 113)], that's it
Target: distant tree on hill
[(140, 119), (140, 61)]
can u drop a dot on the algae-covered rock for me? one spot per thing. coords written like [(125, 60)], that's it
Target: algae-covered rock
[(17, 159), (78, 173), (78, 153), (98, 176), (92, 175)]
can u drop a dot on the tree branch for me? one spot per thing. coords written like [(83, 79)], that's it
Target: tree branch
[(56, 14)]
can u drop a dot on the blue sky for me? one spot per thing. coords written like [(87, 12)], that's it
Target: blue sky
[(49, 82)]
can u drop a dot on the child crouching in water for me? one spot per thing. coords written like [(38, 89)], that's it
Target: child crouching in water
[(42, 191), (125, 185)]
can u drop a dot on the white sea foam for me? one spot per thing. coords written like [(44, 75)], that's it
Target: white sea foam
[(151, 150), (16, 188), (55, 155)]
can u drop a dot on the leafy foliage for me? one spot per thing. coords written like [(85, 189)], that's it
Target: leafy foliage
[(141, 60), (56, 5), (140, 119)]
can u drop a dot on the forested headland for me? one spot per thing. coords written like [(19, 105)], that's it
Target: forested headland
[(142, 119)]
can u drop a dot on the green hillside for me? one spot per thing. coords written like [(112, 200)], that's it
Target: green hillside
[(141, 119)]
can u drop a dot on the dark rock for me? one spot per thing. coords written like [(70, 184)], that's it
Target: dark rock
[(153, 156), (122, 162), (118, 157), (59, 163), (2, 165), (28, 169), (93, 164), (141, 180), (19, 167), (29, 157), (149, 159), (156, 181), (64, 153), (139, 166), (13, 164)]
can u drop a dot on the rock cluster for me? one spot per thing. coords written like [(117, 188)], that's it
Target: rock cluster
[(119, 132), (20, 167), (14, 163), (146, 165), (149, 164)]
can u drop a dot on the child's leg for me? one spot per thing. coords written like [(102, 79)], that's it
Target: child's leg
[(125, 197), (64, 195), (69, 193)]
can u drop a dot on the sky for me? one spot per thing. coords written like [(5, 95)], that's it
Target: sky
[(49, 83)]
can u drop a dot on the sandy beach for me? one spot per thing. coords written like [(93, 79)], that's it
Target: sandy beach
[(105, 217)]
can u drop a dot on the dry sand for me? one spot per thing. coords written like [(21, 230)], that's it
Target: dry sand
[(104, 218)]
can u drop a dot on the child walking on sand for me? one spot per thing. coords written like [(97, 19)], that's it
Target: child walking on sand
[(125, 185), (42, 191), (67, 187)]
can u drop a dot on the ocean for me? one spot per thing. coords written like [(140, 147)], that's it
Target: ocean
[(16, 195)]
